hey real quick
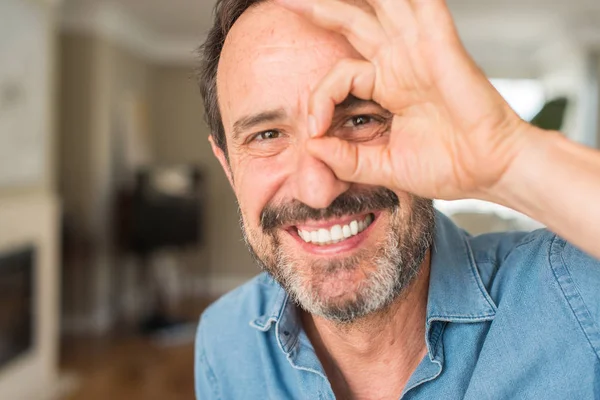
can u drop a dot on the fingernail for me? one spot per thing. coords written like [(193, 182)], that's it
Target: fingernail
[(312, 126)]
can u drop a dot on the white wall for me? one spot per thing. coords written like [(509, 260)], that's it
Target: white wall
[(26, 70), (28, 206)]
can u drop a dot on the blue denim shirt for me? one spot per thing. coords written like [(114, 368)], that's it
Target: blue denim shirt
[(509, 316)]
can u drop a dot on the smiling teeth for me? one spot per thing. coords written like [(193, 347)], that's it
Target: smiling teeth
[(336, 233)]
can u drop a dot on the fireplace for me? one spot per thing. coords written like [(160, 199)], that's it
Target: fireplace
[(16, 303), (29, 298)]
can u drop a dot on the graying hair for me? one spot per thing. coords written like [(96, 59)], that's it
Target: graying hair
[(226, 13)]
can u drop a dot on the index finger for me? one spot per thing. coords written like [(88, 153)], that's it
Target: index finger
[(348, 77), (361, 29), (354, 162)]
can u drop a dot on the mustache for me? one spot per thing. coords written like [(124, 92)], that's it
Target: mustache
[(275, 216)]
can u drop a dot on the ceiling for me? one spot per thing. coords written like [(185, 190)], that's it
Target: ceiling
[(491, 28), (173, 18), (193, 17)]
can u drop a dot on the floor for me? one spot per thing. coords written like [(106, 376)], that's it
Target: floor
[(131, 367)]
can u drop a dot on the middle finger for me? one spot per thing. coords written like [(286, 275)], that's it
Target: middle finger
[(397, 18)]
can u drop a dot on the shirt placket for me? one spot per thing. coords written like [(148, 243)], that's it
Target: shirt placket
[(432, 364)]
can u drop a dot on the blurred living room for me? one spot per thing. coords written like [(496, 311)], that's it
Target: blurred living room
[(117, 223)]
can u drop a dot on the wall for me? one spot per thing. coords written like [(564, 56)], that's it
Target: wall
[(97, 78), (100, 82), (180, 135), (29, 211), (75, 124), (26, 71)]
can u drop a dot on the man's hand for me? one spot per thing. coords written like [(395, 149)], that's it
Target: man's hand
[(452, 136)]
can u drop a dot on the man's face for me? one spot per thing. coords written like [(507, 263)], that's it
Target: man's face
[(341, 250)]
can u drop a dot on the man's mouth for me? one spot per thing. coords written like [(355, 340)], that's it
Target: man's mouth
[(336, 233)]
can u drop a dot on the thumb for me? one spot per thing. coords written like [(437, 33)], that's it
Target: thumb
[(353, 162)]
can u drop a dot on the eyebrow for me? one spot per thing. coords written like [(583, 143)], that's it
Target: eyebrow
[(250, 121)]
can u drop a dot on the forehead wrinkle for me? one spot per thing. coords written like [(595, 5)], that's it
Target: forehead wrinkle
[(274, 51), (284, 73), (269, 29), (316, 55)]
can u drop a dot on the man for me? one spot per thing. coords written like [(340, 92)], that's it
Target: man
[(335, 121)]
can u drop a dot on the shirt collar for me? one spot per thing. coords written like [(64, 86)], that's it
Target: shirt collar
[(456, 291), (275, 305)]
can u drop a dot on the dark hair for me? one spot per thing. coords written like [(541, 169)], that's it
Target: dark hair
[(226, 13)]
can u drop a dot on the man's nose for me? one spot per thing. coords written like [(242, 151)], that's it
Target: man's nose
[(315, 184)]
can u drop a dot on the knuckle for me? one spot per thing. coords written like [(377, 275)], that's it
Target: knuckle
[(343, 25)]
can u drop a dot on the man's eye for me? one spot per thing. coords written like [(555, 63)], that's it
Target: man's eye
[(358, 121), (267, 135)]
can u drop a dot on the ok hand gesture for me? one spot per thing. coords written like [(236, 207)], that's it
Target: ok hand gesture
[(452, 135)]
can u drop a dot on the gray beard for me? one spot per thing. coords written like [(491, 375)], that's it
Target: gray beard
[(396, 263)]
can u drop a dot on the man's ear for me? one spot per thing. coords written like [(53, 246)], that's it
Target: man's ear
[(218, 152)]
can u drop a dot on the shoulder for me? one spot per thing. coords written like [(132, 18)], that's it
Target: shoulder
[(225, 339), (501, 255), (540, 251), (578, 275), (496, 247), (541, 267), (232, 314)]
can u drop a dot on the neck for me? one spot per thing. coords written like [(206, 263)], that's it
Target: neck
[(385, 346)]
